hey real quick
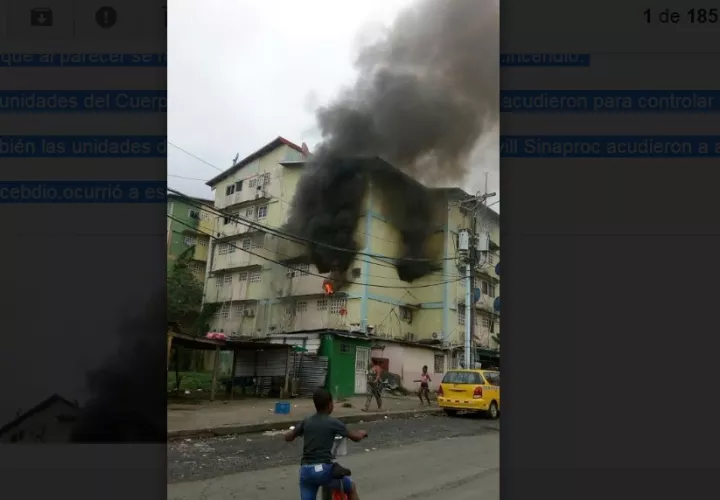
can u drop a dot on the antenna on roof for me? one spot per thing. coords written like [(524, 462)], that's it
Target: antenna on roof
[(236, 158)]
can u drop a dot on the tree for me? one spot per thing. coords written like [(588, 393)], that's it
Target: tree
[(184, 291)]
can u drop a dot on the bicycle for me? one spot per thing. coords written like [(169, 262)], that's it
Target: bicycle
[(339, 472)]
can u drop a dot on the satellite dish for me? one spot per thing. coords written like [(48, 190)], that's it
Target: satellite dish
[(496, 304), (477, 294), (497, 269)]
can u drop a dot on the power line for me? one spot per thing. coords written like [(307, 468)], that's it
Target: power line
[(291, 237), (196, 157), (302, 270)]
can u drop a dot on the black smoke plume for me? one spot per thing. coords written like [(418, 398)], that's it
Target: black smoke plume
[(128, 402), (424, 95)]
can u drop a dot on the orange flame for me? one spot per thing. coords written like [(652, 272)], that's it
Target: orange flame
[(328, 287)]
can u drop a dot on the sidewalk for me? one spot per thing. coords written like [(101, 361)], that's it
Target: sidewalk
[(257, 415)]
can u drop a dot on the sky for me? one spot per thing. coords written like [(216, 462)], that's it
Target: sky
[(241, 73)]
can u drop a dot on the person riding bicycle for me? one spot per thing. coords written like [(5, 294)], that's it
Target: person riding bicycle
[(318, 432)]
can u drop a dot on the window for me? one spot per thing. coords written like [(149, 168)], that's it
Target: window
[(258, 241), (490, 258), (461, 314), (230, 190), (462, 378), (253, 182), (250, 212), (439, 363), (198, 267), (301, 306), (194, 214), (406, 314), (232, 247), (484, 287), (218, 283), (486, 323), (203, 243), (492, 378), (246, 243), (227, 279), (344, 348), (255, 277), (238, 186), (189, 240), (226, 220), (322, 305), (491, 290), (298, 270), (204, 216), (225, 311), (222, 249), (243, 276), (265, 178), (262, 212), (238, 310), (337, 305)]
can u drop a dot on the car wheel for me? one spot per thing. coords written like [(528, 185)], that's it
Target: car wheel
[(492, 412), (450, 413)]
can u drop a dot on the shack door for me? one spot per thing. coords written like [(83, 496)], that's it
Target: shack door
[(362, 359)]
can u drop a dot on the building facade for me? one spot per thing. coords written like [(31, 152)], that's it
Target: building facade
[(189, 225), (265, 287)]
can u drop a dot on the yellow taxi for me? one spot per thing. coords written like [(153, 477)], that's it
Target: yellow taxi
[(474, 390)]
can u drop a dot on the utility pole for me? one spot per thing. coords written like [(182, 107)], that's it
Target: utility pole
[(471, 246)]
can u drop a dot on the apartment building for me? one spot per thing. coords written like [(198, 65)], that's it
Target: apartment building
[(189, 225), (265, 285)]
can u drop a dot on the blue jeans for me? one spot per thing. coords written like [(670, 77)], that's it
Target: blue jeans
[(311, 480)]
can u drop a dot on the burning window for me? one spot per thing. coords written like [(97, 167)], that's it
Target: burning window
[(328, 287)]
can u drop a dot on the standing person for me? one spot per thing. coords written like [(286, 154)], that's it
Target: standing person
[(319, 431), (424, 385), (374, 386)]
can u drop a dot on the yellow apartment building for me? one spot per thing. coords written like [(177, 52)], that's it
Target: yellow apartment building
[(265, 285)]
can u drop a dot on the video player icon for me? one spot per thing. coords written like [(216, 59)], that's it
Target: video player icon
[(41, 17)]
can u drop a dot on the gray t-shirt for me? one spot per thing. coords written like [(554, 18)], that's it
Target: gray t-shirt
[(318, 432)]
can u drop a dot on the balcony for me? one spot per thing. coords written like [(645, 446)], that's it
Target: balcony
[(298, 284), (244, 196)]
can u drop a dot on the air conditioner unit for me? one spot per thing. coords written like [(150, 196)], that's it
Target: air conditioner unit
[(248, 313), (257, 195), (410, 337), (435, 335)]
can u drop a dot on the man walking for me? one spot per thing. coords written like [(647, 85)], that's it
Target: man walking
[(374, 385)]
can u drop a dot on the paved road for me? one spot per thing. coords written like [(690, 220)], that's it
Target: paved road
[(432, 458)]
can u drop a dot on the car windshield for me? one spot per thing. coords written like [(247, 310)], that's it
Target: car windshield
[(462, 378)]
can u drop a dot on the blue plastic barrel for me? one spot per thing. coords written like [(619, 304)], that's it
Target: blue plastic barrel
[(282, 408)]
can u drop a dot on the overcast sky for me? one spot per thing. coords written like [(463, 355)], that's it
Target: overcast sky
[(241, 73)]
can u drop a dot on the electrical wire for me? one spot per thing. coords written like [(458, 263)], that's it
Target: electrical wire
[(302, 270), (193, 202), (291, 237)]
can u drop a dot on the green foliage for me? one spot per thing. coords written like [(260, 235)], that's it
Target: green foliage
[(190, 381), (202, 322), (184, 291)]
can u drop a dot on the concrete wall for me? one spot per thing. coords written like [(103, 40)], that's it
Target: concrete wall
[(407, 362)]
